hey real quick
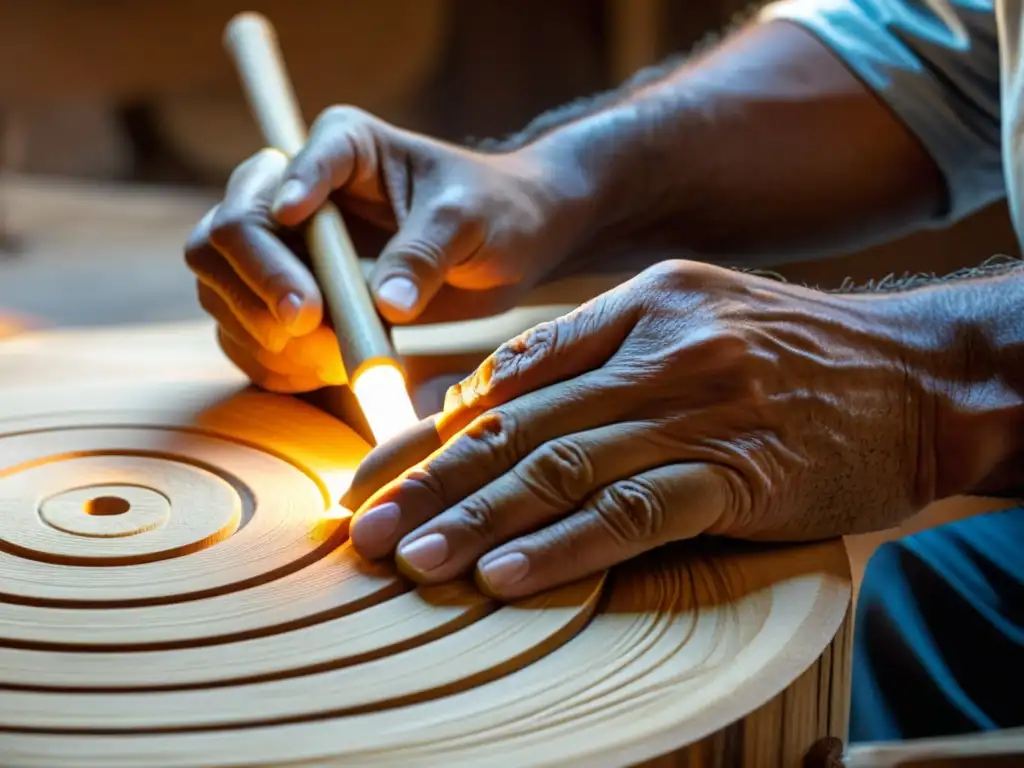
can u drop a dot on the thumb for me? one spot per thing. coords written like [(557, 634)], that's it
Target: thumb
[(433, 239), (342, 152)]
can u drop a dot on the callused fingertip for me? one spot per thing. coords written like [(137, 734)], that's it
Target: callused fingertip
[(502, 574)]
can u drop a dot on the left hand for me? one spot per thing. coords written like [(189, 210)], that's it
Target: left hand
[(691, 399)]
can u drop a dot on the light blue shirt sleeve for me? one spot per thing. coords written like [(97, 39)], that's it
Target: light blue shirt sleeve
[(936, 64)]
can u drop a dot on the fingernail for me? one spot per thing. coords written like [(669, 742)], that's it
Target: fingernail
[(399, 292), (292, 192), (376, 526), (427, 553), (505, 571), (288, 309)]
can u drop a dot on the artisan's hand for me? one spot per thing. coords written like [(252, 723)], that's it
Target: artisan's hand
[(690, 400), (458, 234)]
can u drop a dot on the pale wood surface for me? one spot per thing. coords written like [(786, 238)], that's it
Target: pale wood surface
[(150, 225), (116, 257), (266, 615)]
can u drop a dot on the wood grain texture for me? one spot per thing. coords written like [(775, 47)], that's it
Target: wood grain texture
[(228, 622)]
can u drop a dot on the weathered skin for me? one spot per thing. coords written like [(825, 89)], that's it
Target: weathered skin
[(447, 219), (692, 399)]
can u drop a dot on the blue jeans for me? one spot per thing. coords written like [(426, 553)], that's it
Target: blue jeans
[(939, 634)]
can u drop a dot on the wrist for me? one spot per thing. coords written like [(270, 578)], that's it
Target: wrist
[(615, 166), (964, 346)]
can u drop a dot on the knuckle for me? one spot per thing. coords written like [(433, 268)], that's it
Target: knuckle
[(632, 511), (233, 307), (429, 481), (267, 164), (421, 256), (665, 269), (341, 115), (504, 367), (665, 273), (471, 392), (680, 274), (458, 395), (269, 159), (496, 435), (229, 229), (561, 473), (340, 136), (453, 206), (476, 515), (517, 355)]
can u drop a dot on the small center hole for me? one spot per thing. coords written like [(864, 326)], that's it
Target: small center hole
[(106, 505)]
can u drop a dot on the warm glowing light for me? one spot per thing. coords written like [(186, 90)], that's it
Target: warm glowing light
[(337, 512), (330, 523), (384, 400)]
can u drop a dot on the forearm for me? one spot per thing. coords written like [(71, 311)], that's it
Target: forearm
[(964, 341), (764, 149)]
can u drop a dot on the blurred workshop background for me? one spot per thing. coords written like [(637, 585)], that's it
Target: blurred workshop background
[(121, 119)]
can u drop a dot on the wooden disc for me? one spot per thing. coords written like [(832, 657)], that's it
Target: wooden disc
[(103, 511), (83, 508), (177, 589)]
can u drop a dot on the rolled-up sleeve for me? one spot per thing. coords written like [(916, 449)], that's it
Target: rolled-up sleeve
[(936, 64)]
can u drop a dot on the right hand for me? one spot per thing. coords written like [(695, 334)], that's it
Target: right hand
[(458, 233)]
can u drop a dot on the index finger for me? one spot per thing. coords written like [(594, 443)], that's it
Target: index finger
[(389, 460), (242, 232), (342, 152), (547, 354), (492, 445)]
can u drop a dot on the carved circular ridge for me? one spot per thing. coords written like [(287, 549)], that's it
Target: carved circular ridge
[(266, 598), (182, 507), (292, 649)]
